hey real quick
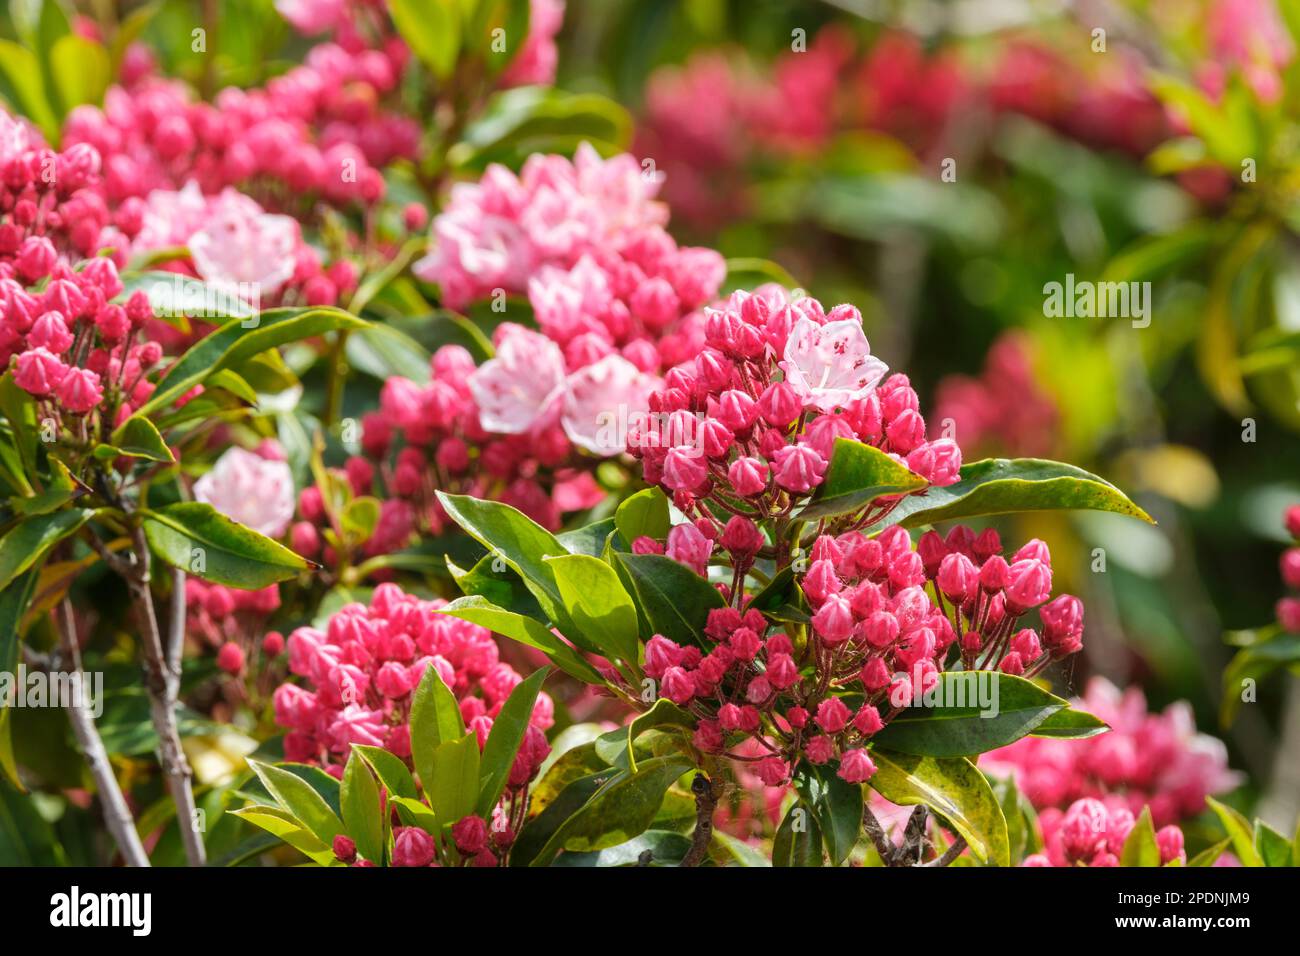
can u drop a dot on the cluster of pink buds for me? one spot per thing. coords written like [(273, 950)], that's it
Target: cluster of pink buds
[(318, 131), (752, 420), (364, 667), (70, 343), (1288, 608), (49, 196), (585, 240), (230, 620), (1004, 410), (874, 629), (1091, 834), (1154, 759)]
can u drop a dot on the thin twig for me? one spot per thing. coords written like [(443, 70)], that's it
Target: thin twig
[(949, 854), (176, 625), (878, 837), (706, 801), (914, 837), (117, 815)]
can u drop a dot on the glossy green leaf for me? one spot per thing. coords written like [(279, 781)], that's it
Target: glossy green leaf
[(14, 601), (80, 69), (619, 811), (288, 828), (432, 29), (435, 720), (1273, 848), (201, 541), (616, 746), (1071, 724), (568, 799), (837, 806), (359, 799), (675, 600), (798, 840), (858, 474), (602, 611), (240, 339), (1010, 486), (296, 796), (1210, 855), (982, 710), (453, 789), (504, 738), (1239, 832), (1140, 847), (953, 789), (644, 514), (138, 437), (23, 71), (27, 541), (654, 847), (525, 630), (390, 770)]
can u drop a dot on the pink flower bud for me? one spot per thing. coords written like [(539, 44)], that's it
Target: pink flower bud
[(799, 468), (393, 680), (832, 715), (875, 675), (345, 850), (779, 405), (39, 371), (957, 577), (737, 410), (470, 835), (995, 574), (231, 658), (867, 720), (748, 476), (412, 847), (273, 644), (79, 391), (819, 749), (684, 469), (1012, 664), (1290, 566), (773, 771), (856, 766), (1170, 841), (1029, 585), (881, 629), (688, 546), (1083, 829), (1027, 645), (678, 685), (742, 538), (661, 654), (782, 671), (820, 582), (834, 620), (50, 332)]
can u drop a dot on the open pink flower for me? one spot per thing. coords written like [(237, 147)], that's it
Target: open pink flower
[(599, 402), (250, 489), (241, 243), (514, 389), (830, 365), (310, 17)]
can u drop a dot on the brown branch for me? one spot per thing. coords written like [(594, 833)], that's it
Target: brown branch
[(888, 853), (117, 815), (949, 854), (914, 838), (706, 801)]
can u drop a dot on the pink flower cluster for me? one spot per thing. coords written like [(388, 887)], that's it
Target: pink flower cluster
[(316, 132), (1089, 833), (1003, 410), (585, 239), (752, 419), (54, 197), (875, 630), (229, 619), (364, 666), (1147, 759), (1288, 608)]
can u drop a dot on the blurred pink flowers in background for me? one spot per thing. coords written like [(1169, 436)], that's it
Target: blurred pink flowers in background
[(255, 491)]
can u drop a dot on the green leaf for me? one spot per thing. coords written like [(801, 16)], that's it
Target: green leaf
[(384, 352), (532, 119), (523, 545), (664, 848), (14, 601), (1071, 724), (568, 800), (1009, 486), (19, 410), (360, 518), (26, 837), (1140, 848), (23, 71), (80, 69), (296, 796), (503, 741), (201, 541), (492, 579), (644, 514), (837, 805), (1273, 848), (288, 828), (241, 339), (435, 720), (619, 811), (432, 29), (590, 539), (602, 611), (954, 790), (25, 543), (390, 770), (453, 789), (359, 799), (675, 600), (983, 710), (858, 474), (138, 437), (798, 840), (525, 630), (616, 746), (1210, 855), (1239, 832), (740, 852)]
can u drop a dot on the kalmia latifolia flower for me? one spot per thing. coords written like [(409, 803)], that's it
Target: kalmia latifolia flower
[(1154, 759), (257, 492), (747, 431), (585, 240), (361, 669), (1090, 833)]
